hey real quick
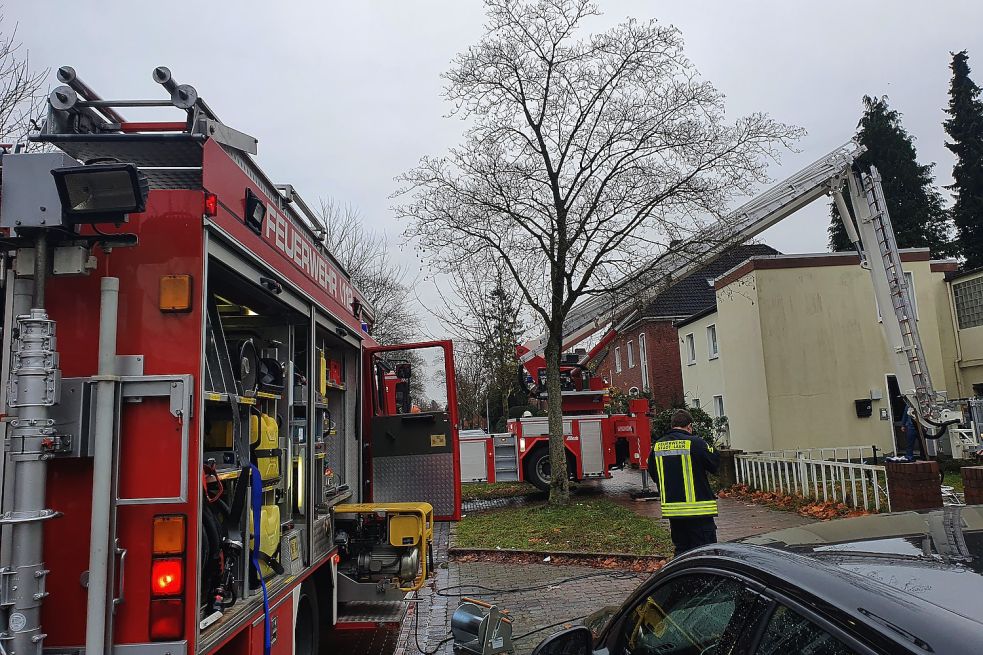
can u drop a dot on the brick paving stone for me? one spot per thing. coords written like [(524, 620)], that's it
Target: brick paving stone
[(736, 519), (482, 504), (553, 600)]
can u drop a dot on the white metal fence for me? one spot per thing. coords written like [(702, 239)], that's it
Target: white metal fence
[(855, 484), (838, 453)]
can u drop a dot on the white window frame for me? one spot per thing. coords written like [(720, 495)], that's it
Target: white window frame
[(696, 403), (617, 359), (631, 355), (643, 360), (718, 406), (909, 278), (713, 347), (690, 341)]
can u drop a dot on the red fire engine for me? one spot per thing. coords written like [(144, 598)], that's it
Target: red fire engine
[(206, 450), (595, 441)]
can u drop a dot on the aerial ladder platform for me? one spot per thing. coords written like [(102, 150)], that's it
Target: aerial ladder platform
[(868, 225)]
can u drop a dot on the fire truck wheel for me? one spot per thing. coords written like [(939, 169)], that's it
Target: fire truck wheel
[(538, 468), (307, 625)]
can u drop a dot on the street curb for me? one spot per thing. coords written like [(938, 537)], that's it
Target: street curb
[(455, 550)]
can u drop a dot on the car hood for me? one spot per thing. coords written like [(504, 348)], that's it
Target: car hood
[(936, 555)]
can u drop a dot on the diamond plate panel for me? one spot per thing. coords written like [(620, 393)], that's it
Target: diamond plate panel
[(427, 478), (323, 537), (173, 178), (166, 150), (378, 612)]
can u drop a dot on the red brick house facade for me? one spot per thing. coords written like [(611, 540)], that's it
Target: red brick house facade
[(644, 354), (649, 360)]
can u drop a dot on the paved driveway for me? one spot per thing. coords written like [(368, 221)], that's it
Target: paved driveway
[(540, 595)]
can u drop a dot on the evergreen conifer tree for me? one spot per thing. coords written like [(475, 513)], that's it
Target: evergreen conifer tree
[(917, 213), (965, 129)]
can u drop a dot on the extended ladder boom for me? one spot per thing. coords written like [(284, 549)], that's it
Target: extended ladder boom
[(873, 236), (868, 227), (747, 221)]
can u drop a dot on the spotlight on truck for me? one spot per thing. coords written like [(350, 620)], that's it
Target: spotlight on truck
[(101, 193)]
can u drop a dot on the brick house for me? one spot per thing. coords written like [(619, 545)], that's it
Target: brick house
[(644, 354)]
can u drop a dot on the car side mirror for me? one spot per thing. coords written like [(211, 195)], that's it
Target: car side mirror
[(573, 641)]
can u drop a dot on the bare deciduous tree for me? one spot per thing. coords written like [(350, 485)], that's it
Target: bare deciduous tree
[(472, 381), (367, 256), (581, 156), (21, 103), (484, 313)]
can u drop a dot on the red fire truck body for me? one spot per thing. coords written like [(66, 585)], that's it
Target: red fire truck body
[(596, 442), (253, 412)]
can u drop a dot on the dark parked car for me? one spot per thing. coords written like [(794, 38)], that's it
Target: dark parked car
[(909, 582)]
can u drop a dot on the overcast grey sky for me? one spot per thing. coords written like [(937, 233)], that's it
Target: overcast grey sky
[(344, 96)]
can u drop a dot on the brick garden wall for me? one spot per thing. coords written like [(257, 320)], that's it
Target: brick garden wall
[(914, 485)]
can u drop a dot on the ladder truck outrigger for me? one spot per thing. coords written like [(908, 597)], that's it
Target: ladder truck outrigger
[(205, 450), (868, 226)]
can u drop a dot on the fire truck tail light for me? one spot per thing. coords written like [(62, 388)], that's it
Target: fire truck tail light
[(175, 293), (168, 534), (166, 619), (211, 204), (167, 577)]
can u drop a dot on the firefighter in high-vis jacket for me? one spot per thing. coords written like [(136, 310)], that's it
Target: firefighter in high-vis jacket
[(680, 462)]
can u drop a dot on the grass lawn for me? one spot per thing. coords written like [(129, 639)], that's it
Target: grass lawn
[(594, 525), (954, 479), (485, 491)]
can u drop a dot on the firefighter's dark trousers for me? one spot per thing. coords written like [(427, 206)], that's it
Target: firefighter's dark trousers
[(692, 532)]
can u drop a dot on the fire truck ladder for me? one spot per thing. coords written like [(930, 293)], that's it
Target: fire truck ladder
[(900, 298), (745, 222), (868, 223), (873, 226)]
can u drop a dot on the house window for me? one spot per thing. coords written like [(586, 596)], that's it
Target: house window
[(644, 361), (690, 349), (696, 403), (714, 351), (631, 355), (909, 279), (718, 406), (617, 359), (969, 303)]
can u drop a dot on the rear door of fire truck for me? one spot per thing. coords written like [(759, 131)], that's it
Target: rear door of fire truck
[(411, 445)]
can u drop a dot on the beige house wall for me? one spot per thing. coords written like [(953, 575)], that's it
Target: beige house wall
[(702, 379), (824, 348), (799, 343), (742, 365)]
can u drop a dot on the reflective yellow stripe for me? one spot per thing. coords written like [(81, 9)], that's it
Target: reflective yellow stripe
[(698, 508), (662, 477), (688, 487)]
